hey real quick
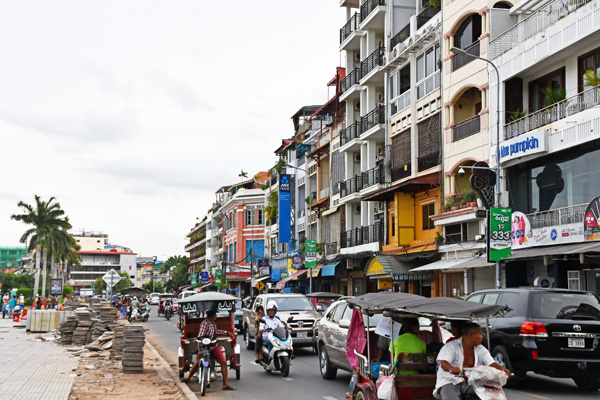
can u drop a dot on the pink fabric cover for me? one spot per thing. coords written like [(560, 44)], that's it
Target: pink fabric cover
[(356, 339)]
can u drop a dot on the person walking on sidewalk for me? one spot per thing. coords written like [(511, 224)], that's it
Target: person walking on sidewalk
[(11, 305), (22, 301), (53, 302)]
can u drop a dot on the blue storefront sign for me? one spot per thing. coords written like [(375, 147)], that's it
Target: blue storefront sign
[(523, 145), (276, 275), (204, 276), (263, 267), (285, 204)]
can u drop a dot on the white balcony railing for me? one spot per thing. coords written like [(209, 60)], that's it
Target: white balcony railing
[(558, 216)]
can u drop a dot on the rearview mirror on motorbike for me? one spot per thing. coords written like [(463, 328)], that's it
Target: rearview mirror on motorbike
[(261, 321)]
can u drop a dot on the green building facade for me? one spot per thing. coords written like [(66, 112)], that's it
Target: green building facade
[(9, 256)]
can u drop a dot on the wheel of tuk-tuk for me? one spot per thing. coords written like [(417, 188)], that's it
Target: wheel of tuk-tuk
[(359, 394), (238, 373)]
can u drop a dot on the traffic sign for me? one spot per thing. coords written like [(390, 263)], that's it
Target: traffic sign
[(111, 278), (260, 286)]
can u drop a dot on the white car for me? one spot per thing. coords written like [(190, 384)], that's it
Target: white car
[(154, 298)]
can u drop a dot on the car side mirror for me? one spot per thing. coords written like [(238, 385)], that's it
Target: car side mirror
[(344, 323), (290, 319)]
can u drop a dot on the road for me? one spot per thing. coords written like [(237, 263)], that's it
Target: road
[(305, 382)]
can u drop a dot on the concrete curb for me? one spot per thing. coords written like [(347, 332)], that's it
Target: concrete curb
[(165, 367)]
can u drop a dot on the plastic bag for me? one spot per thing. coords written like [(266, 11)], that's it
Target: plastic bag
[(386, 387)]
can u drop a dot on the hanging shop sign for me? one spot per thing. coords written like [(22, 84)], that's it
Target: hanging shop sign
[(523, 145), (524, 236), (375, 268), (310, 254), (263, 267), (500, 233), (591, 220), (384, 284), (285, 204)]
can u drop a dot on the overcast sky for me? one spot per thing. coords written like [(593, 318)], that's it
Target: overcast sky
[(132, 113)]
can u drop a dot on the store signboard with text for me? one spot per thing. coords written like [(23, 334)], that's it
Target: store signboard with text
[(500, 233)]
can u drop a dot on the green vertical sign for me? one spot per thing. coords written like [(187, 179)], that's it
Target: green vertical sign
[(310, 254), (500, 228), (194, 280)]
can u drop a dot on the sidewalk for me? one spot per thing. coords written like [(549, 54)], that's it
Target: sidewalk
[(31, 369)]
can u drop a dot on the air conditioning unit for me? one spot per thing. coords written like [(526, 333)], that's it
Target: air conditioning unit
[(357, 106), (357, 158), (357, 57), (380, 153), (356, 209), (380, 98)]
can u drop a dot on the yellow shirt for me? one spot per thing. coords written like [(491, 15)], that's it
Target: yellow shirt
[(408, 343)]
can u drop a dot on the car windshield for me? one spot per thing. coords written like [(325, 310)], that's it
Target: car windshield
[(556, 305), (238, 304), (292, 303)]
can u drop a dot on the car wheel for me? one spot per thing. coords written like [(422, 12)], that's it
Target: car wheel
[(501, 357), (249, 344), (591, 383), (328, 371)]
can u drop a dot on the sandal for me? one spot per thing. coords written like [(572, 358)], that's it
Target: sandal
[(184, 380), (229, 388)]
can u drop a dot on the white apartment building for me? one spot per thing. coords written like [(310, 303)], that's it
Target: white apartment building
[(96, 263)]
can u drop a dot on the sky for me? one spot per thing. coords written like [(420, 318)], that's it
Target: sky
[(133, 113)]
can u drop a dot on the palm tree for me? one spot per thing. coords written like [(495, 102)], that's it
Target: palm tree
[(63, 249), (43, 218)]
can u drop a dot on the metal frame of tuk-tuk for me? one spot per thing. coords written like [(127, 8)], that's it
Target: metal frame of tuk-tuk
[(189, 347), (419, 386)]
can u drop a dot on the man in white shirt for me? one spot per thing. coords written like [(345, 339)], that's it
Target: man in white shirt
[(466, 352), (271, 321)]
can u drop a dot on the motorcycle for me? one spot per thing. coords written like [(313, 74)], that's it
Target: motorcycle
[(280, 357), (168, 310), (206, 365), (138, 315)]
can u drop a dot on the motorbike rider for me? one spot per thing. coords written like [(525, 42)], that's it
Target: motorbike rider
[(168, 304), (272, 321), (465, 352)]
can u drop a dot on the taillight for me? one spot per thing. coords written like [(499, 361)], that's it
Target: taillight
[(536, 329), (534, 354)]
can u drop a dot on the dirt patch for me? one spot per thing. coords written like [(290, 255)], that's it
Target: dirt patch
[(100, 378)]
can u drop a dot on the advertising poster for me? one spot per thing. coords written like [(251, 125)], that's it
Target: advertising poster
[(310, 255), (56, 287), (204, 276), (263, 267), (285, 204), (591, 220), (500, 233)]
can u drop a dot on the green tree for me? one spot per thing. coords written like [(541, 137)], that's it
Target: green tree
[(43, 218), (174, 261), (179, 267), (157, 287), (100, 285)]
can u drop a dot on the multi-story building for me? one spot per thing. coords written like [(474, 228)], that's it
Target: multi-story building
[(199, 241), (548, 56), (96, 263), (9, 256)]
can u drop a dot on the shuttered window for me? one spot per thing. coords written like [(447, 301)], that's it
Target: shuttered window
[(338, 170), (401, 149), (429, 136)]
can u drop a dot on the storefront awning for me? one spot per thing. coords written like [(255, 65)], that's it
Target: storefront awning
[(328, 212), (297, 274), (455, 264), (576, 248), (386, 265), (329, 269)]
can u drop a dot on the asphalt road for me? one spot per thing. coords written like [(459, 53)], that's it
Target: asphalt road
[(305, 382)]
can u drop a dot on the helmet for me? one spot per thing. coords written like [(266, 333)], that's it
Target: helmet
[(271, 305), (135, 298)]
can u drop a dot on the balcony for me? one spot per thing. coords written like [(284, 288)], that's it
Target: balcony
[(460, 60), (353, 78), (466, 128), (363, 181), (375, 118), (368, 7), (400, 36), (426, 15), (363, 235), (349, 40), (401, 103), (580, 102), (535, 23), (401, 172), (350, 133), (559, 216), (371, 63)]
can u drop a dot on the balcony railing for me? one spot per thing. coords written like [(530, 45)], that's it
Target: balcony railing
[(348, 186), (374, 117), (368, 7), (426, 15), (400, 103), (559, 216), (350, 80), (537, 22), (374, 60), (363, 235), (460, 60), (362, 181), (351, 26), (400, 36), (300, 213), (587, 99), (401, 173), (428, 161), (350, 133), (466, 128)]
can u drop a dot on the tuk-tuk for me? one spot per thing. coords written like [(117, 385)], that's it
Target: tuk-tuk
[(193, 311), (162, 297), (322, 300), (361, 345)]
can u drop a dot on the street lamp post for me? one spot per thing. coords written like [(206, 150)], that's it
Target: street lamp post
[(497, 202), (309, 215)]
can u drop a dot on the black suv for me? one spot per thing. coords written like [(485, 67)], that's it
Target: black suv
[(553, 332)]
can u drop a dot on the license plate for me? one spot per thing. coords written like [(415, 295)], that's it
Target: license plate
[(302, 334), (577, 343)]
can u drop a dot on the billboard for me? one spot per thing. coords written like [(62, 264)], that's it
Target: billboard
[(310, 254), (56, 287), (285, 207), (500, 233)]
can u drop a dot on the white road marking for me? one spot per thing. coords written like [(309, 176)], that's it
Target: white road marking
[(288, 379), (329, 398)]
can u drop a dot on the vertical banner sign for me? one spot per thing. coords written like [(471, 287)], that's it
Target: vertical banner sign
[(591, 220), (500, 232), (310, 255), (204, 276), (194, 280), (56, 287), (285, 204)]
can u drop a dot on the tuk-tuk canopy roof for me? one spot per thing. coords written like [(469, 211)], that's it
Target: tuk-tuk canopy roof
[(324, 295), (206, 301), (443, 308), (134, 291)]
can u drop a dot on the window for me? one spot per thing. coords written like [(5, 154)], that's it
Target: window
[(331, 313), (468, 32), (554, 81), (339, 312), (475, 298), (428, 210), (590, 61), (250, 215), (348, 314), (260, 215), (235, 252), (428, 64), (393, 225), (491, 298), (393, 85), (234, 219)]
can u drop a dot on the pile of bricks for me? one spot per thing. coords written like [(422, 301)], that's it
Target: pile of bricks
[(133, 349)]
